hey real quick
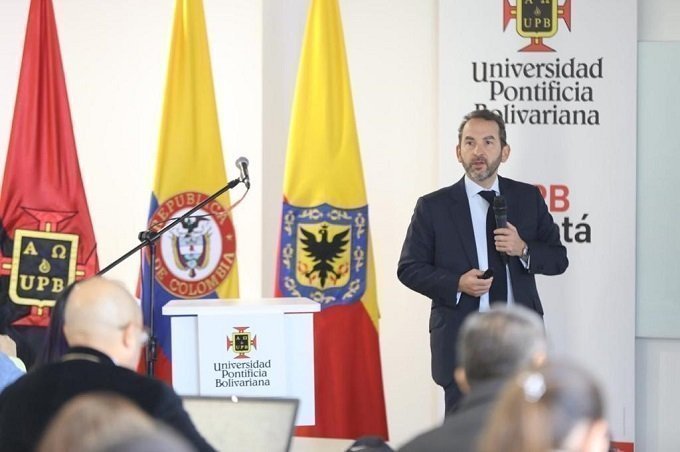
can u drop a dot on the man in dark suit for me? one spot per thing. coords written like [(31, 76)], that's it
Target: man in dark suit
[(447, 247), (492, 347), (103, 327)]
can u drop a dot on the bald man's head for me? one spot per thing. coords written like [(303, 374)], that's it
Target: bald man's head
[(103, 315)]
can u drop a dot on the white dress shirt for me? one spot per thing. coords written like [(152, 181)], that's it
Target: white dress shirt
[(478, 211)]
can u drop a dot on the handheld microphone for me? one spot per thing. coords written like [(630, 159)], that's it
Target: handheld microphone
[(500, 211), (242, 165)]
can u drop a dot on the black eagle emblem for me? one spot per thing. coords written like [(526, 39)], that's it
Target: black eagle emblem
[(191, 223), (323, 252)]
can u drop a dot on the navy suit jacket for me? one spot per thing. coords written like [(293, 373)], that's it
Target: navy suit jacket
[(440, 247)]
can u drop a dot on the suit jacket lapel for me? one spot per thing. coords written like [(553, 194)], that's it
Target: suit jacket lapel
[(514, 213), (510, 201), (459, 209)]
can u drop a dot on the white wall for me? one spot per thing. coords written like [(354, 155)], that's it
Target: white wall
[(115, 56), (657, 359)]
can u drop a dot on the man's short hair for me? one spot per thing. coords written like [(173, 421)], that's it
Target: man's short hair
[(488, 116), (497, 343)]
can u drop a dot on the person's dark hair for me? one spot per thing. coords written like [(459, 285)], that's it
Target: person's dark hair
[(55, 344), (539, 409), (488, 116), (499, 342)]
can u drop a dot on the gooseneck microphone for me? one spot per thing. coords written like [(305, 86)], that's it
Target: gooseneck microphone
[(242, 165)]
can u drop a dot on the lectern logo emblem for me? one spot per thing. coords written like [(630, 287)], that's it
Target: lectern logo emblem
[(536, 20), (323, 253), (241, 342), (195, 256)]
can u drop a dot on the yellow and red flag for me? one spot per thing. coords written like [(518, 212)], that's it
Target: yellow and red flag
[(325, 247), (46, 236), (196, 258)]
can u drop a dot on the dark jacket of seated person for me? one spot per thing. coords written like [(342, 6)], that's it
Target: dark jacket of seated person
[(28, 405), (104, 329)]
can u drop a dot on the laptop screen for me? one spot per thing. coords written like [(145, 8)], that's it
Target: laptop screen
[(244, 423)]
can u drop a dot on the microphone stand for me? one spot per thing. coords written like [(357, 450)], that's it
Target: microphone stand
[(149, 239)]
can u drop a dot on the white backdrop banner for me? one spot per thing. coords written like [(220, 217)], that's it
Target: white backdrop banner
[(563, 76)]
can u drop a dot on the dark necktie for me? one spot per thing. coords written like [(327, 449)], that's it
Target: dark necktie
[(499, 287)]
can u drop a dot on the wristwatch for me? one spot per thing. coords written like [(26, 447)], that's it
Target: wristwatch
[(525, 254)]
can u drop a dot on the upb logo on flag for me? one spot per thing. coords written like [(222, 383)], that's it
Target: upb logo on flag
[(323, 253), (43, 264), (46, 236)]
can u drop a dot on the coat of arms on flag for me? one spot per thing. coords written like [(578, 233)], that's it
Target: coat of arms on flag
[(197, 255), (325, 245), (323, 253)]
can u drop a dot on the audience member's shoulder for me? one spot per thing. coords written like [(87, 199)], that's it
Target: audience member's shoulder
[(155, 395), (143, 381), (24, 383)]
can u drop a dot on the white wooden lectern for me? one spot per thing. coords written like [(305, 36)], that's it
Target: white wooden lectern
[(263, 348)]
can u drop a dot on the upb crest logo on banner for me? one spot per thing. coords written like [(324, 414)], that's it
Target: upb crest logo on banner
[(43, 264), (323, 253), (44, 261), (537, 20)]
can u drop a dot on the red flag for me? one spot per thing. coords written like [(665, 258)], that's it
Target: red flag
[(46, 236)]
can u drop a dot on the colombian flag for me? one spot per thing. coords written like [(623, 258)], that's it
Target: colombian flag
[(325, 248), (46, 236), (195, 259)]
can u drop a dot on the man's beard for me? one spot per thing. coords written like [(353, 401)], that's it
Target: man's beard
[(481, 176)]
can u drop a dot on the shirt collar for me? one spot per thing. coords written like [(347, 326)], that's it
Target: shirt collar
[(472, 188), (79, 353)]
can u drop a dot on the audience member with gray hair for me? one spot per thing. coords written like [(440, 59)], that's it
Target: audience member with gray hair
[(102, 422), (104, 330), (492, 346), (93, 420)]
